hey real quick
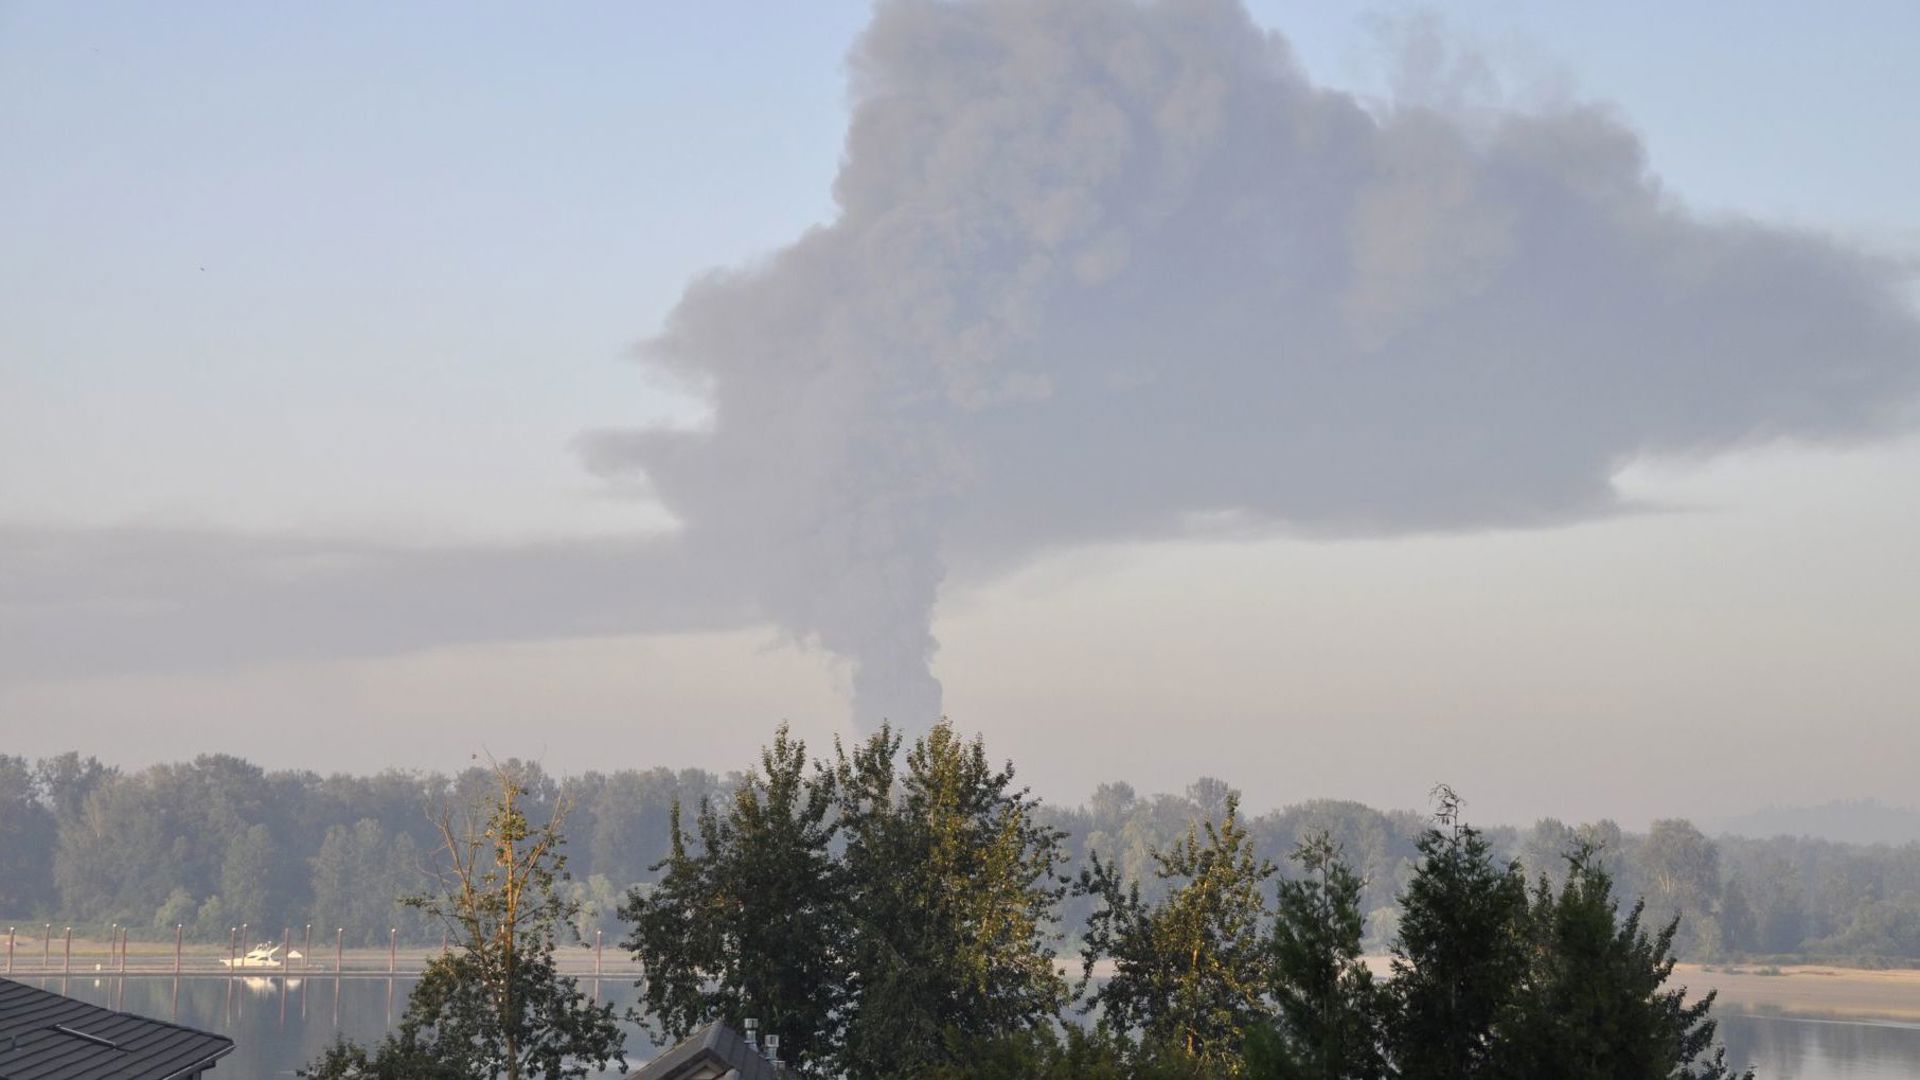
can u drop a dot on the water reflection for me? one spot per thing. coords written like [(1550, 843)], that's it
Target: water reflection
[(1783, 1046), (276, 1028)]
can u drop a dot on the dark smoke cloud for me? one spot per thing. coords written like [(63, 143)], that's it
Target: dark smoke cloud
[(78, 602), (1101, 271), (1107, 270)]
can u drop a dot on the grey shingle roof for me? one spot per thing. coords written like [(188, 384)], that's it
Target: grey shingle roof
[(715, 1052), (47, 1036)]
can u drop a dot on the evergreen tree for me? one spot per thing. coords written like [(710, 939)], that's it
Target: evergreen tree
[(1330, 1010), (1460, 955), (495, 1005), (1595, 1005), (952, 886), (1189, 973), (751, 923), (1070, 1053)]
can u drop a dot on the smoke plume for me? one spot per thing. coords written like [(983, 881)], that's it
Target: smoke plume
[(1107, 269)]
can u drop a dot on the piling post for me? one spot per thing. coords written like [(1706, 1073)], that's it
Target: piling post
[(179, 934), (123, 950), (233, 937), (393, 945), (113, 943), (69, 960), (46, 949), (339, 945), (596, 953), (9, 950), (306, 954), (286, 946)]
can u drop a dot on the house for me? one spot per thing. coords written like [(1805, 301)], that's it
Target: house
[(48, 1036), (715, 1052)]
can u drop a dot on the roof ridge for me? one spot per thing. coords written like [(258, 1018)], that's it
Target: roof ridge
[(113, 1012)]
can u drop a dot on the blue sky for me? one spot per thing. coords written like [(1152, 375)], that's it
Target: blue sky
[(365, 272)]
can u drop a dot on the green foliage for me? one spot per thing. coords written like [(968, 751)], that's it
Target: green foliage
[(210, 922), (139, 838), (1330, 1010), (119, 848), (752, 923), (599, 908), (474, 1016), (1189, 973), (246, 876), (879, 919), (1879, 928), (358, 877), (1679, 875), (1489, 982), (494, 1005), (896, 914), (632, 813), (952, 885), (1460, 955), (28, 832), (392, 1060), (96, 846), (1594, 1003), (1072, 1054), (179, 910)]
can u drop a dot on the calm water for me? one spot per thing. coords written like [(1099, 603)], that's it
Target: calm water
[(280, 1024), (1783, 1046)]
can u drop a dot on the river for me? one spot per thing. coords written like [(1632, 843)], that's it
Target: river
[(279, 1024)]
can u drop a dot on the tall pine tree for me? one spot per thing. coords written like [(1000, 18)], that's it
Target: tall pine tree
[(1330, 1010), (1460, 956), (1596, 1005)]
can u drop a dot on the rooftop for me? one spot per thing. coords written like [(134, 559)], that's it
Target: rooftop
[(715, 1052), (48, 1036)]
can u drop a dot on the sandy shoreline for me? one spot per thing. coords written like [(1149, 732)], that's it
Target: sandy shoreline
[(1816, 990), (1809, 989), (1813, 990)]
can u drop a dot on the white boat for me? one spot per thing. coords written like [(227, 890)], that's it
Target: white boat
[(260, 956)]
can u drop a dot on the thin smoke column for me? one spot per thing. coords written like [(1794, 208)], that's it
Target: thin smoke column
[(1112, 270)]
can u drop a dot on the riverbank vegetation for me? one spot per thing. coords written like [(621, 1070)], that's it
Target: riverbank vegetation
[(893, 910), (217, 841)]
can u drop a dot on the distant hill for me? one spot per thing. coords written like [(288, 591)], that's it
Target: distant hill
[(1861, 821)]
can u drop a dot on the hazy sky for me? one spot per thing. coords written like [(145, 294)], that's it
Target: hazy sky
[(323, 438)]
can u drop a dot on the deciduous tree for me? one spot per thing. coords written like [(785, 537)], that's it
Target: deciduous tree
[(496, 1004), (1191, 972)]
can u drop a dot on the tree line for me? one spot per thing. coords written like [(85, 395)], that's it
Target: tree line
[(217, 841), (893, 910)]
